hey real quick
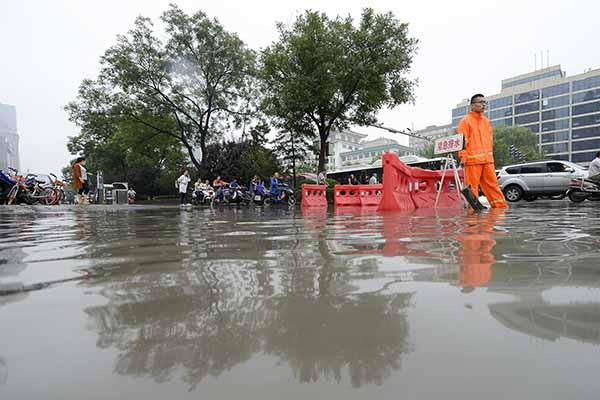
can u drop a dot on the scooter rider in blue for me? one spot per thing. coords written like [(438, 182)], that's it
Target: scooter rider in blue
[(274, 187)]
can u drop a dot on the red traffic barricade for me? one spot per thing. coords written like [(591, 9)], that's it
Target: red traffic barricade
[(370, 195), (397, 185), (313, 195), (346, 195)]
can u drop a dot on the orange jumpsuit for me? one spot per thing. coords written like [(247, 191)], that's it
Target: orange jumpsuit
[(478, 158)]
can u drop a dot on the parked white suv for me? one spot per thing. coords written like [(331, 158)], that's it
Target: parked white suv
[(530, 180)]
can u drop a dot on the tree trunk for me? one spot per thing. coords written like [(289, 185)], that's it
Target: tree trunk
[(190, 151), (323, 135), (293, 164), (202, 167)]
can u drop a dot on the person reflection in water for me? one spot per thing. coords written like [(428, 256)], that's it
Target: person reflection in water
[(476, 249)]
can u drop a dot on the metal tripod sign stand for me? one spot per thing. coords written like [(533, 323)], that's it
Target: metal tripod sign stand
[(450, 163), (447, 145)]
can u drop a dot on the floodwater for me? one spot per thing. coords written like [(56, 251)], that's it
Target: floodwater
[(161, 303)]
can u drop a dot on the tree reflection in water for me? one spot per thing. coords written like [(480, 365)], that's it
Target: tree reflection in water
[(197, 321), (320, 336), (320, 329), (205, 319)]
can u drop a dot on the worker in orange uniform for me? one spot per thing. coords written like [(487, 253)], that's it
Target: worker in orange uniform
[(478, 157)]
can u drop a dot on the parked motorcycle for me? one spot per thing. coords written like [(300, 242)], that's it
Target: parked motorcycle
[(202, 197), (6, 184), (258, 194), (285, 196), (582, 189), (229, 195)]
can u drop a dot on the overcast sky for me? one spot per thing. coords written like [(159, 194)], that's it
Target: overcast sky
[(47, 47)]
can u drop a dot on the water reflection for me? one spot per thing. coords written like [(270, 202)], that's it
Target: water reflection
[(340, 297), (285, 297), (3, 372), (477, 241), (551, 301)]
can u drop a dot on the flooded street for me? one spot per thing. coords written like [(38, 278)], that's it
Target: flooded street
[(156, 302)]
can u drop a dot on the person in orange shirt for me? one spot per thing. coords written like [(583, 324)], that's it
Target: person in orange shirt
[(478, 157)]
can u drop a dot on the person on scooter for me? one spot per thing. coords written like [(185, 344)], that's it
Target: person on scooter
[(274, 186), (253, 182), (131, 195), (594, 171), (205, 185), (260, 187), (218, 185), (234, 186), (218, 182), (198, 185)]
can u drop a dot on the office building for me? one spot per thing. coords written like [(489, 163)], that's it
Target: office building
[(9, 139), (563, 111)]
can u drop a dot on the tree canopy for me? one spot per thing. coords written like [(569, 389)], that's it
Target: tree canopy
[(329, 73), (191, 86)]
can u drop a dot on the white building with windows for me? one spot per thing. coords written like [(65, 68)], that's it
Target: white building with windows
[(371, 151), (348, 148), (342, 142)]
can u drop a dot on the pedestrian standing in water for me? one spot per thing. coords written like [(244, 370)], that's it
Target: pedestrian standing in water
[(182, 183), (80, 181)]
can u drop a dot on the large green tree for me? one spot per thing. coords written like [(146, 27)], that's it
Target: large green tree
[(330, 73), (191, 85), (239, 159)]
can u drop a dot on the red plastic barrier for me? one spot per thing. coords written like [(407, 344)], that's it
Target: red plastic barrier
[(425, 184), (397, 185), (313, 195), (346, 195), (370, 195)]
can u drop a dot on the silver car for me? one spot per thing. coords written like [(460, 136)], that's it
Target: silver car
[(531, 180)]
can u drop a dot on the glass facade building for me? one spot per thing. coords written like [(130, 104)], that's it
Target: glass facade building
[(9, 139), (563, 111)]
